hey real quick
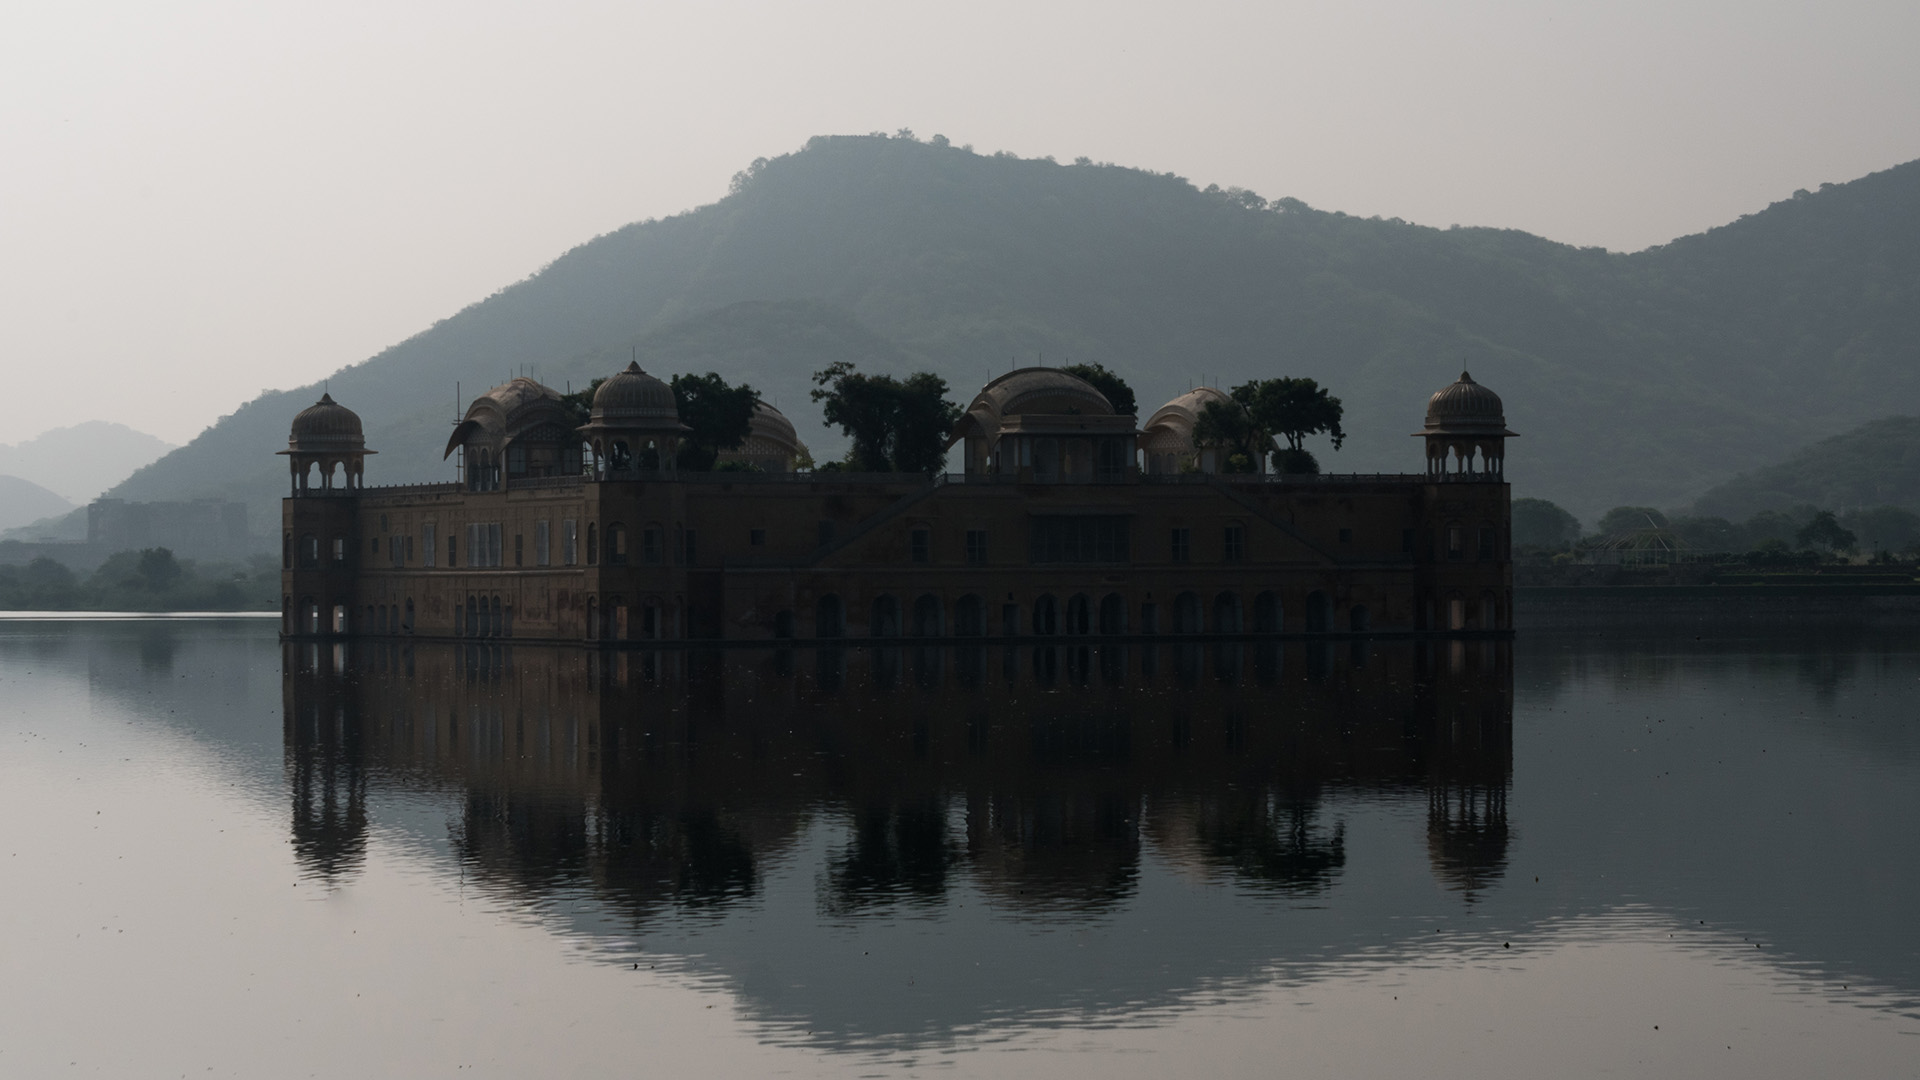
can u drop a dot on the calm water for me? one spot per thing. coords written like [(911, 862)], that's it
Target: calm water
[(1566, 856)]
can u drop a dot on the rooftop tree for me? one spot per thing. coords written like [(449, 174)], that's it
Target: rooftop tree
[(897, 425), (1292, 409)]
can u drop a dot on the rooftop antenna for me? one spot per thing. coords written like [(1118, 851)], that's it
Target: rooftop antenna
[(456, 403)]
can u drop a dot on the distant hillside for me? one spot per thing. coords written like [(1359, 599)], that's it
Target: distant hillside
[(1641, 378), (1876, 464), (23, 501), (81, 461)]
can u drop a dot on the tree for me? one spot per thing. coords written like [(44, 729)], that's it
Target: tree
[(1230, 428), (897, 425), (1292, 409), (158, 569), (1117, 392), (1538, 523), (1823, 531), (719, 417)]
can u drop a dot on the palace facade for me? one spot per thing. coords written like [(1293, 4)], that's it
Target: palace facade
[(1068, 520)]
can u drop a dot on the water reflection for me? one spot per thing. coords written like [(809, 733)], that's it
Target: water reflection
[(664, 785)]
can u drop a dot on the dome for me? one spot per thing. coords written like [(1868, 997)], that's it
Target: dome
[(772, 425), (326, 425), (1466, 406), (633, 398), (1045, 390)]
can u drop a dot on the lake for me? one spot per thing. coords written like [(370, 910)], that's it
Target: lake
[(1572, 854)]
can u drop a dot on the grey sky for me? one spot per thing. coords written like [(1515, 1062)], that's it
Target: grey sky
[(202, 199)]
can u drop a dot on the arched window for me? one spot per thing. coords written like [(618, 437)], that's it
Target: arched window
[(969, 617), (1079, 614), (406, 624), (1319, 612), (1266, 613), (1226, 613), (616, 544), (593, 544), (828, 617), (1046, 616), (1186, 614), (1113, 614), (1359, 620), (885, 617), (593, 618), (309, 551), (926, 617), (286, 551)]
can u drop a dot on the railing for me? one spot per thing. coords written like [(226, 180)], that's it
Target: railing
[(446, 487), (543, 483)]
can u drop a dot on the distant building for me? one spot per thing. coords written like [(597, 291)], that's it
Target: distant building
[(563, 533), (203, 528)]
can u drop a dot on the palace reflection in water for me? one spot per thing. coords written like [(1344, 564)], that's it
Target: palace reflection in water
[(1032, 782), (666, 777)]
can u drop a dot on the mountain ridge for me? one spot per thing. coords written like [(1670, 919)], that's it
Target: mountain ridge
[(1642, 377)]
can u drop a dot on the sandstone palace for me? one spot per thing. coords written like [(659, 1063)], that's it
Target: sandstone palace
[(1069, 519)]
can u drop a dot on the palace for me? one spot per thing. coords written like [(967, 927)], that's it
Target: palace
[(563, 532)]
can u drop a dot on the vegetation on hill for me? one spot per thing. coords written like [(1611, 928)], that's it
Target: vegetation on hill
[(1633, 378), (1876, 464)]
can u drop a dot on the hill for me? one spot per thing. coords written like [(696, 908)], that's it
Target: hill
[(1876, 464), (81, 461), (1641, 378), (23, 501)]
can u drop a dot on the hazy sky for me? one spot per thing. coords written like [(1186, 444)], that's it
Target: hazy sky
[(200, 200)]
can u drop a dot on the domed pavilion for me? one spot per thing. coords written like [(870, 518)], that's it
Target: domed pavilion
[(1466, 432), (1044, 424)]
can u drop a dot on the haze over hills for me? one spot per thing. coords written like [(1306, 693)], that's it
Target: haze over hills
[(1633, 378), (80, 462), (1876, 464), (23, 501)]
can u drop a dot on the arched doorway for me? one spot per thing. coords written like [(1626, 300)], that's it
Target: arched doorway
[(1186, 614), (884, 618), (1113, 614), (926, 617), (1267, 613), (1319, 612), (969, 617), (1046, 616), (1226, 613), (828, 617), (1079, 614)]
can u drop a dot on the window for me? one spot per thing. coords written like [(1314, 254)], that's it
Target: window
[(1456, 542), (689, 552), (1486, 542), (542, 544), (519, 549), (1233, 547), (649, 546), (757, 537), (1182, 545), (310, 551), (286, 552), (339, 550), (920, 545), (593, 543), (453, 550), (977, 547), (406, 552), (617, 544), (1346, 536), (383, 523), (429, 544), (569, 542), (373, 545), (517, 460), (1078, 538)]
